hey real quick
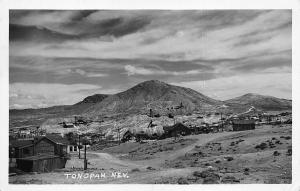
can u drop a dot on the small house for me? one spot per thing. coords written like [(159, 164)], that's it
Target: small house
[(242, 125)]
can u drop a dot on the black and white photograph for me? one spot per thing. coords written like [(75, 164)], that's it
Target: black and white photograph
[(150, 96)]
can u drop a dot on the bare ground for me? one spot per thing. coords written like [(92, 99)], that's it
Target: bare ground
[(255, 156)]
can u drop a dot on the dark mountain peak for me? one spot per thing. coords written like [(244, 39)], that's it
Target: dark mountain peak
[(151, 89), (152, 83), (154, 94), (96, 98), (251, 94)]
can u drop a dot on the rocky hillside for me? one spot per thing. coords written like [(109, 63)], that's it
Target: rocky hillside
[(268, 103), (93, 99), (157, 95)]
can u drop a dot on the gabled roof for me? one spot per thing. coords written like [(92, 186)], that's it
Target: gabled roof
[(57, 139), (26, 143)]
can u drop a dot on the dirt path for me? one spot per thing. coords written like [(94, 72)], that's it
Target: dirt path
[(105, 160), (202, 139)]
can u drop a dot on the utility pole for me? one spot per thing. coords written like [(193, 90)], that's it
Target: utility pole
[(84, 142), (85, 160), (37, 131), (79, 146)]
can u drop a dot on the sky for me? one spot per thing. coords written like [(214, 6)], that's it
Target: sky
[(59, 57)]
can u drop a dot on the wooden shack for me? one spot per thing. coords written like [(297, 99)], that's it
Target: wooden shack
[(41, 163), (42, 154), (242, 125), (51, 145)]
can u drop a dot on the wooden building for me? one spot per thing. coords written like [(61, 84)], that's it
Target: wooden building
[(41, 163), (51, 145), (242, 125), (41, 154)]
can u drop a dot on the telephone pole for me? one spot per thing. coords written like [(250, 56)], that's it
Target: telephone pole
[(79, 146), (85, 160)]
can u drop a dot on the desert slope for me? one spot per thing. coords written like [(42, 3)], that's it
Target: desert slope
[(263, 102), (156, 95)]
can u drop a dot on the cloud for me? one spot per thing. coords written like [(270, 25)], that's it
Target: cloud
[(36, 34), (279, 84), (40, 17), (133, 70), (32, 95), (81, 72), (280, 60), (53, 26), (140, 34)]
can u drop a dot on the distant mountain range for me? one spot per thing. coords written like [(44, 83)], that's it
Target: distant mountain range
[(161, 97), (267, 103)]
